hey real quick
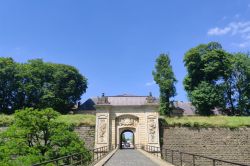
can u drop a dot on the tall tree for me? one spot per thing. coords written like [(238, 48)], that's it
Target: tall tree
[(206, 62), (39, 85), (207, 65), (164, 77), (237, 87), (205, 97), (8, 86), (223, 74), (52, 85), (68, 86)]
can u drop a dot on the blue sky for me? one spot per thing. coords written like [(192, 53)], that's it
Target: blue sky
[(114, 43)]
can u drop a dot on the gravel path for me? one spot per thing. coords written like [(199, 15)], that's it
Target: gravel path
[(129, 157)]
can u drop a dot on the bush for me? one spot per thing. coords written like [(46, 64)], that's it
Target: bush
[(36, 136)]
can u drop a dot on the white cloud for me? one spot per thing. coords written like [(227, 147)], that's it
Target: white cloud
[(150, 83), (242, 29), (232, 28), (218, 31)]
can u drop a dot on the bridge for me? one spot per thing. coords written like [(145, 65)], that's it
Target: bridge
[(147, 156)]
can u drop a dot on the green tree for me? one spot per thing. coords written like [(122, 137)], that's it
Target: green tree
[(68, 86), (237, 87), (34, 78), (206, 97), (8, 86), (36, 136), (208, 66), (228, 74), (40, 85), (206, 62), (164, 77)]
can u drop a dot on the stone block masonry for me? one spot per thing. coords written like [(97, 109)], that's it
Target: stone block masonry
[(87, 134), (221, 143)]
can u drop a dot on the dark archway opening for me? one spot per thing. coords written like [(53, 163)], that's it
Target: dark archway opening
[(127, 140)]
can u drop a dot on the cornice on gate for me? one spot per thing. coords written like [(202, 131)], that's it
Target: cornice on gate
[(153, 107)]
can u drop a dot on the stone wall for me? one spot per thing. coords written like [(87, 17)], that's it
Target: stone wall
[(87, 134), (222, 143)]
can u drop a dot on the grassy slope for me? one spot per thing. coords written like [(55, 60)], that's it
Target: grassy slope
[(196, 121), (212, 121), (77, 120)]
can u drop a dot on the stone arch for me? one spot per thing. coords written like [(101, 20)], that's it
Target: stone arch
[(127, 130), (127, 122)]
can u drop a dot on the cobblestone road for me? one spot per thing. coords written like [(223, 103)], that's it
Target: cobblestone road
[(129, 157)]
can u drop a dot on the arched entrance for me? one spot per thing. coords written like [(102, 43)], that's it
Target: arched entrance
[(116, 115), (127, 139)]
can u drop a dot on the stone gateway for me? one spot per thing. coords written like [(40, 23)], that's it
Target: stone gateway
[(118, 114)]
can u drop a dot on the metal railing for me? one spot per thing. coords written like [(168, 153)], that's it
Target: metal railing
[(153, 150), (78, 158), (177, 157), (99, 153)]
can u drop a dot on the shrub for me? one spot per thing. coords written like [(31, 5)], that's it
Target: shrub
[(36, 136)]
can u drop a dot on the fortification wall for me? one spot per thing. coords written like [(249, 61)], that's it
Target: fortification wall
[(222, 143)]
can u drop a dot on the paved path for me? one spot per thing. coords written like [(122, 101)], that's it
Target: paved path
[(129, 157)]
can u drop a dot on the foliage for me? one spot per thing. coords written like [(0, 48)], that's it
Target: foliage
[(164, 77), (35, 136), (206, 97), (237, 87), (209, 121), (39, 85), (206, 62), (217, 79), (8, 86)]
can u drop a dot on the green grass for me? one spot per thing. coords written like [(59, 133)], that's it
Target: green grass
[(189, 121), (6, 120), (78, 119), (212, 121)]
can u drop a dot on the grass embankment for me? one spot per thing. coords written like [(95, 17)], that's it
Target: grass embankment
[(76, 120), (188, 121), (211, 121)]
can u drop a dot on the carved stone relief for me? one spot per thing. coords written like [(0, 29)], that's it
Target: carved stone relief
[(127, 121), (102, 131), (152, 130)]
